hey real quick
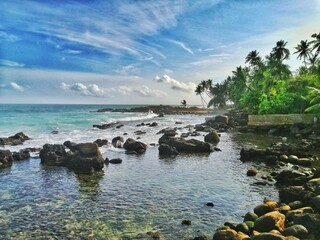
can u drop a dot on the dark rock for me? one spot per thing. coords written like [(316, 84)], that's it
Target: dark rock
[(104, 126), (139, 132), (54, 132), (252, 172), (210, 204), (316, 202), (203, 237), (6, 158), (21, 155), (242, 227), (178, 122), (269, 236), (115, 161), (270, 221), (133, 145), (106, 161), (154, 124), (212, 137), (221, 119), (227, 234), (70, 145), (154, 235), (170, 132), (16, 139), (167, 151), (131, 152), (186, 222), (182, 145), (265, 208), (116, 142), (292, 177), (252, 154), (250, 216), (161, 115), (298, 231), (271, 159), (295, 193), (217, 149), (53, 155), (309, 220), (295, 205), (101, 142), (119, 126)]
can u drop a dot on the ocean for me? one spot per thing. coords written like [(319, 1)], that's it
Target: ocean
[(144, 193)]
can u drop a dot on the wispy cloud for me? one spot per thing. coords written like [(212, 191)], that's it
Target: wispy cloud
[(17, 87), (182, 45), (8, 37), (145, 91), (175, 84), (71, 51), (9, 63), (79, 88)]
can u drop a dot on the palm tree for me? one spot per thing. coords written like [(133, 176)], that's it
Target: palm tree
[(279, 52), (184, 103), (204, 87), (198, 91), (219, 95), (303, 51), (316, 43), (253, 58)]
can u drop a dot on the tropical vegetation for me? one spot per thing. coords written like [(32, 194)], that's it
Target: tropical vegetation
[(267, 85)]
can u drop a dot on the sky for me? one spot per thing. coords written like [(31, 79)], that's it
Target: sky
[(138, 52)]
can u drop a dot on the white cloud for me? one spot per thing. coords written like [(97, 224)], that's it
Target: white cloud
[(182, 45), (124, 90), (17, 87), (79, 88), (148, 92), (71, 51), (9, 63), (176, 85), (8, 37)]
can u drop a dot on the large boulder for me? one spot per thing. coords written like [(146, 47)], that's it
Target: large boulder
[(85, 159), (297, 230), (292, 177), (117, 141), (167, 151), (16, 139), (6, 158), (212, 137), (270, 221), (250, 154), (183, 145), (269, 236), (21, 155), (53, 154), (133, 145)]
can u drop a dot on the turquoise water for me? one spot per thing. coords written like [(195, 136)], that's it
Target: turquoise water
[(144, 193)]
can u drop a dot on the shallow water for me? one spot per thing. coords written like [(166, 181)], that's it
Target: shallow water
[(143, 193)]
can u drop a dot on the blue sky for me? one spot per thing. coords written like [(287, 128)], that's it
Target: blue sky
[(139, 52)]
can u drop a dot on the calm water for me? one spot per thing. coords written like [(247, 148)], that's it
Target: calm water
[(143, 193)]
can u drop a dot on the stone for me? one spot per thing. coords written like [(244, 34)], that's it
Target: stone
[(186, 222), (53, 155), (6, 158), (297, 230), (170, 132), (309, 220), (316, 202), (295, 205), (116, 142), (251, 154), (227, 234), (283, 158), (119, 126), (221, 119), (154, 124), (21, 155), (101, 142), (167, 151), (242, 227), (295, 193), (115, 161), (210, 204), (265, 208), (87, 149), (133, 145), (212, 137), (14, 140), (154, 235), (250, 216), (70, 145), (268, 236), (292, 177), (203, 237), (252, 172), (269, 221), (290, 215)]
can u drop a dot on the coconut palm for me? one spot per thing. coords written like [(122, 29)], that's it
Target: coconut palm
[(199, 91), (253, 58), (316, 43), (303, 51), (219, 95), (280, 52), (184, 103)]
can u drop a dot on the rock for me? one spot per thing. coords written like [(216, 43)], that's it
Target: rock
[(167, 151), (304, 162), (16, 139), (264, 208), (183, 145), (293, 159), (309, 220), (131, 152), (170, 132), (203, 237), (161, 115), (184, 135), (295, 205), (115, 161), (70, 145), (116, 142), (269, 221), (133, 145), (21, 155), (284, 158), (154, 124), (178, 122), (297, 230), (227, 234), (271, 159), (221, 119), (54, 132), (252, 154), (119, 126), (53, 155), (104, 126), (269, 236), (242, 227), (154, 235), (101, 142), (292, 177), (250, 216), (186, 222), (212, 137), (6, 158), (252, 172), (294, 193), (85, 159), (210, 204), (316, 202)]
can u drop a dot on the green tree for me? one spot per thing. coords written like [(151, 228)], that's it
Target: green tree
[(303, 51), (254, 59), (219, 95), (316, 43), (199, 92), (280, 52)]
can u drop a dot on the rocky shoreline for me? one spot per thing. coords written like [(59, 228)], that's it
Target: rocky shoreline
[(296, 173)]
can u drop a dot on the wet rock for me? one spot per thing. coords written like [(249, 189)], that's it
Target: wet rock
[(210, 204), (167, 151), (182, 145), (154, 124), (269, 236), (117, 141), (250, 216), (101, 142), (170, 132), (161, 115), (16, 139), (70, 145), (297, 230), (251, 154), (154, 235), (203, 237), (295, 193), (119, 126), (21, 155), (309, 220), (54, 132), (115, 161), (292, 177), (252, 172), (242, 227), (6, 158), (212, 137), (53, 155), (140, 132), (227, 234), (295, 205), (178, 122), (222, 119), (133, 145), (104, 126), (270, 221), (186, 222), (316, 202), (264, 208)]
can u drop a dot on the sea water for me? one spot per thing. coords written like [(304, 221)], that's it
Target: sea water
[(144, 193)]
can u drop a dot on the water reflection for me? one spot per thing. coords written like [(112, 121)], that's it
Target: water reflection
[(89, 184)]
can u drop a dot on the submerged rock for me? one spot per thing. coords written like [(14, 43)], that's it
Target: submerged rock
[(183, 145), (167, 151)]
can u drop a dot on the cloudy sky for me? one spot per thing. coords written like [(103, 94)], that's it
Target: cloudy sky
[(138, 52)]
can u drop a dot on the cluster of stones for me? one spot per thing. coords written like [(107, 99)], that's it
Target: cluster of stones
[(16, 139)]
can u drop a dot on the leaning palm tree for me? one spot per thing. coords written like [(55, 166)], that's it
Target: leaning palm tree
[(198, 91), (304, 51), (316, 43), (280, 52), (253, 58), (204, 87), (219, 95)]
